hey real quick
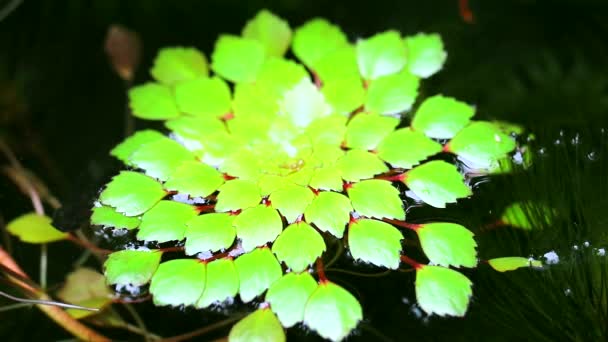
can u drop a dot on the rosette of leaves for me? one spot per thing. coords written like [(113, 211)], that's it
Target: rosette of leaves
[(269, 158)]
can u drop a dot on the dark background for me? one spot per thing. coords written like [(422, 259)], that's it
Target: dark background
[(543, 64)]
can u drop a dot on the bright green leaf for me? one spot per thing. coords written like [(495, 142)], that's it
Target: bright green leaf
[(448, 244), (360, 164), (442, 291), (437, 183), (109, 217), (327, 178), (344, 94), (132, 193), (131, 267), (380, 55), (208, 97), (178, 282), (34, 228), (242, 164), (442, 117), (237, 194), (254, 101), (299, 246), (392, 94), (260, 326), (195, 128), (257, 270), (376, 198), (405, 148), (512, 263), (365, 131), (338, 64), (176, 64), (222, 283), (195, 179), (270, 30), (327, 130), (375, 242), (315, 39), (425, 54), (291, 201), (332, 311), (481, 144), (330, 212), (211, 232), (237, 59), (257, 226), (304, 103), (280, 75), (160, 158), (527, 215), (123, 150), (152, 101), (166, 221), (288, 297)]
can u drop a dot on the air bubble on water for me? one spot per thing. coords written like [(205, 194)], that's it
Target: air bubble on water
[(238, 250), (551, 257), (182, 198), (119, 232), (576, 140), (592, 155), (199, 200), (542, 150), (405, 300), (567, 292), (416, 312), (561, 133), (575, 247), (518, 157), (601, 252), (204, 255), (557, 142), (586, 244), (131, 289), (141, 248)]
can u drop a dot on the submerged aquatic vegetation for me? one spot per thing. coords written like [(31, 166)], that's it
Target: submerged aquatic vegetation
[(270, 161)]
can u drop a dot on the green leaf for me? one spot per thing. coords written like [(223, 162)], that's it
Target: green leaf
[(195, 179), (288, 297), (405, 148), (304, 103), (279, 75), (338, 64), (482, 144), (512, 263), (437, 183), (85, 287), (237, 194), (123, 150), (344, 94), (299, 246), (332, 312), (160, 158), (237, 59), (330, 212), (257, 270), (132, 193), (392, 94), (291, 201), (152, 101), (211, 232), (426, 55), (365, 131), (448, 244), (327, 131), (175, 64), (254, 101), (208, 97), (270, 30), (327, 178), (376, 198), (380, 55), (195, 128), (108, 217), (242, 164), (442, 291), (375, 242), (131, 267), (527, 215), (257, 226), (222, 283), (166, 221), (442, 117), (315, 39), (260, 326), (178, 282), (34, 228), (360, 164)]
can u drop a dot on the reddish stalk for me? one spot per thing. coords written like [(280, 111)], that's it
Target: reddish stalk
[(88, 245), (321, 271), (393, 178), (171, 249), (465, 11), (205, 208), (412, 226), (416, 265)]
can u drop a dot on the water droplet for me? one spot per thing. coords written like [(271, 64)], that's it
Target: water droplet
[(542, 150), (561, 133), (575, 247), (576, 140), (601, 252), (551, 257), (557, 142), (567, 292), (586, 244), (592, 156)]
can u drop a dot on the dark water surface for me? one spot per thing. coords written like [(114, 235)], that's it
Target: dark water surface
[(543, 64)]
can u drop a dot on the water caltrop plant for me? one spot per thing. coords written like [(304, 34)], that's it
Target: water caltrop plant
[(269, 160)]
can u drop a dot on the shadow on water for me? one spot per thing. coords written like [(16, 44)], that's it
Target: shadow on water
[(547, 72)]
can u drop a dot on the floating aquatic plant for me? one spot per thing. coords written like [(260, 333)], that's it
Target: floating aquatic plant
[(268, 160)]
